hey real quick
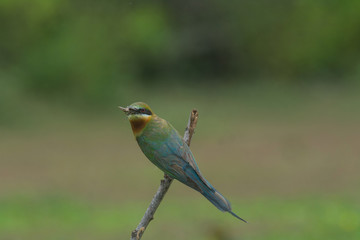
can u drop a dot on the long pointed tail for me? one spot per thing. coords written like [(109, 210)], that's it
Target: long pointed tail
[(196, 181), (232, 213), (220, 202)]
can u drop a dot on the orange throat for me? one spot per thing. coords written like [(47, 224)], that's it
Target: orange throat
[(138, 124)]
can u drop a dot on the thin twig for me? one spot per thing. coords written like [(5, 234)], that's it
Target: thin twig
[(164, 184)]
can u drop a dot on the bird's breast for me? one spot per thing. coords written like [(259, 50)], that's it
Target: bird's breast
[(138, 124)]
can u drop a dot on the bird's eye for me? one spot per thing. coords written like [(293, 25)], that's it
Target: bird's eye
[(142, 110)]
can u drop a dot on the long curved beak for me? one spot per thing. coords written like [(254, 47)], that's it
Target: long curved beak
[(125, 110)]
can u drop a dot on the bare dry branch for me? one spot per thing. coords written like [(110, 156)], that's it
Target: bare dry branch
[(164, 184)]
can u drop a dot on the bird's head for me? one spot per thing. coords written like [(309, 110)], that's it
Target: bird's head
[(139, 114)]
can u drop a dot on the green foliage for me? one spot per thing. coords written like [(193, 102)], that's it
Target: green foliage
[(94, 52)]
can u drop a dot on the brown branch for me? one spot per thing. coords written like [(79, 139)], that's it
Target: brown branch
[(164, 184)]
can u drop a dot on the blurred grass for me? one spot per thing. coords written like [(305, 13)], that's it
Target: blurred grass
[(57, 217), (286, 157)]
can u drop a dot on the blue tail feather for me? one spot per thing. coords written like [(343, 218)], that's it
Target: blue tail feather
[(220, 202), (232, 213), (194, 181)]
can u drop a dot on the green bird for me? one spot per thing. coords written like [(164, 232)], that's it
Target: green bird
[(164, 147)]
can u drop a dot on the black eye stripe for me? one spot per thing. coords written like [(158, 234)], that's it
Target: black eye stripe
[(145, 111), (140, 111)]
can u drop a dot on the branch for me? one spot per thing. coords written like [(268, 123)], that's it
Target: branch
[(164, 184)]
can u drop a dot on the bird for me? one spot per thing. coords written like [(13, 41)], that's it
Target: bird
[(165, 148)]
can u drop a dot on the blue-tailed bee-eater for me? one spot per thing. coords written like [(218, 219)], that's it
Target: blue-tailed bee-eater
[(164, 147)]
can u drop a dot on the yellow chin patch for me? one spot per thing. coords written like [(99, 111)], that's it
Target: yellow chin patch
[(138, 122)]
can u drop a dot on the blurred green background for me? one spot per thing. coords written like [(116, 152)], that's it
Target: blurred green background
[(276, 83)]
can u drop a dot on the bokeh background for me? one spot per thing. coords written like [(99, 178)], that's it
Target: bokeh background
[(276, 83)]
